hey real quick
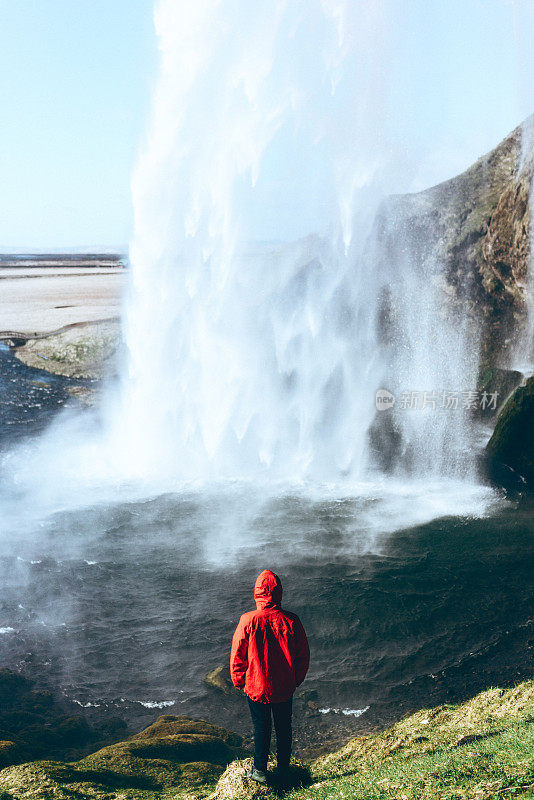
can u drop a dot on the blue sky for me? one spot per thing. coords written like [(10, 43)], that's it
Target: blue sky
[(75, 83), (465, 79), (76, 78)]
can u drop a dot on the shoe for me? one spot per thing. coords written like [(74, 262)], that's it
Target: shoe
[(257, 775)]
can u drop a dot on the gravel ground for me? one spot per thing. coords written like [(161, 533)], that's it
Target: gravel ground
[(42, 300)]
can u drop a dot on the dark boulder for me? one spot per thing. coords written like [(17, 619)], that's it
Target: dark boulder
[(512, 441), (41, 725), (498, 382)]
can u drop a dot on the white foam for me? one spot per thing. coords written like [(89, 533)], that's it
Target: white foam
[(87, 705), (348, 712), (154, 704)]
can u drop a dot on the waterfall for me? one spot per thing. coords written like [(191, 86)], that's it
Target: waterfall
[(250, 358), (280, 299)]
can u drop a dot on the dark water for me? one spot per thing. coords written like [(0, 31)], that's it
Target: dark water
[(133, 603), (443, 611), (29, 398)]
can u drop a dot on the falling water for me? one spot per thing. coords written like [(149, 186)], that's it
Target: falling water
[(274, 290), (256, 360)]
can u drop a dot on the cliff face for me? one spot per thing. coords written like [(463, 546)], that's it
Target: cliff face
[(468, 241), (478, 226)]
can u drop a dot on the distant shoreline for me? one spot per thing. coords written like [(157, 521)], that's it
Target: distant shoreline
[(58, 260), (65, 290)]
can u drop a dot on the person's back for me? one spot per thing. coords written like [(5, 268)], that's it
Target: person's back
[(269, 659)]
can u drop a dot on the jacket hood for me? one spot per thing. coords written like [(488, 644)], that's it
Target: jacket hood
[(268, 590)]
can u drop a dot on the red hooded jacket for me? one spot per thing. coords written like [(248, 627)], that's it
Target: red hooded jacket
[(270, 653)]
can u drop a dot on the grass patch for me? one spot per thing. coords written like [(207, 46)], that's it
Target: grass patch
[(478, 750), (496, 765)]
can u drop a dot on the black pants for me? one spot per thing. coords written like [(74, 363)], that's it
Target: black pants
[(261, 719)]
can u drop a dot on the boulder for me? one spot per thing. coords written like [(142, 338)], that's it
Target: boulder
[(81, 350), (512, 441), (75, 731), (219, 679), (499, 382), (160, 759), (113, 728), (38, 702), (234, 784), (43, 726), (168, 725), (11, 753)]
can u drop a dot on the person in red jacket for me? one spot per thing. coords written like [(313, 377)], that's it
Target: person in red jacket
[(269, 659)]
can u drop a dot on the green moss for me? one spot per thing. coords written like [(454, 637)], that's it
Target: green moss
[(500, 381), (495, 766), (10, 753), (167, 751), (144, 767), (169, 725), (219, 679)]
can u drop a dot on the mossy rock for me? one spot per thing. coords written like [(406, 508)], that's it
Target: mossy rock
[(499, 382), (169, 725), (74, 731), (219, 679), (47, 779), (180, 748), (37, 702), (11, 753), (19, 720), (40, 738), (46, 728), (11, 685), (144, 766), (512, 441), (113, 728), (235, 785)]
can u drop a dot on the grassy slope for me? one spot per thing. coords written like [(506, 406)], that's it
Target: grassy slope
[(481, 749)]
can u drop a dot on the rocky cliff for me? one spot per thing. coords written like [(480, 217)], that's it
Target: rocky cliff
[(472, 236), (478, 225)]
